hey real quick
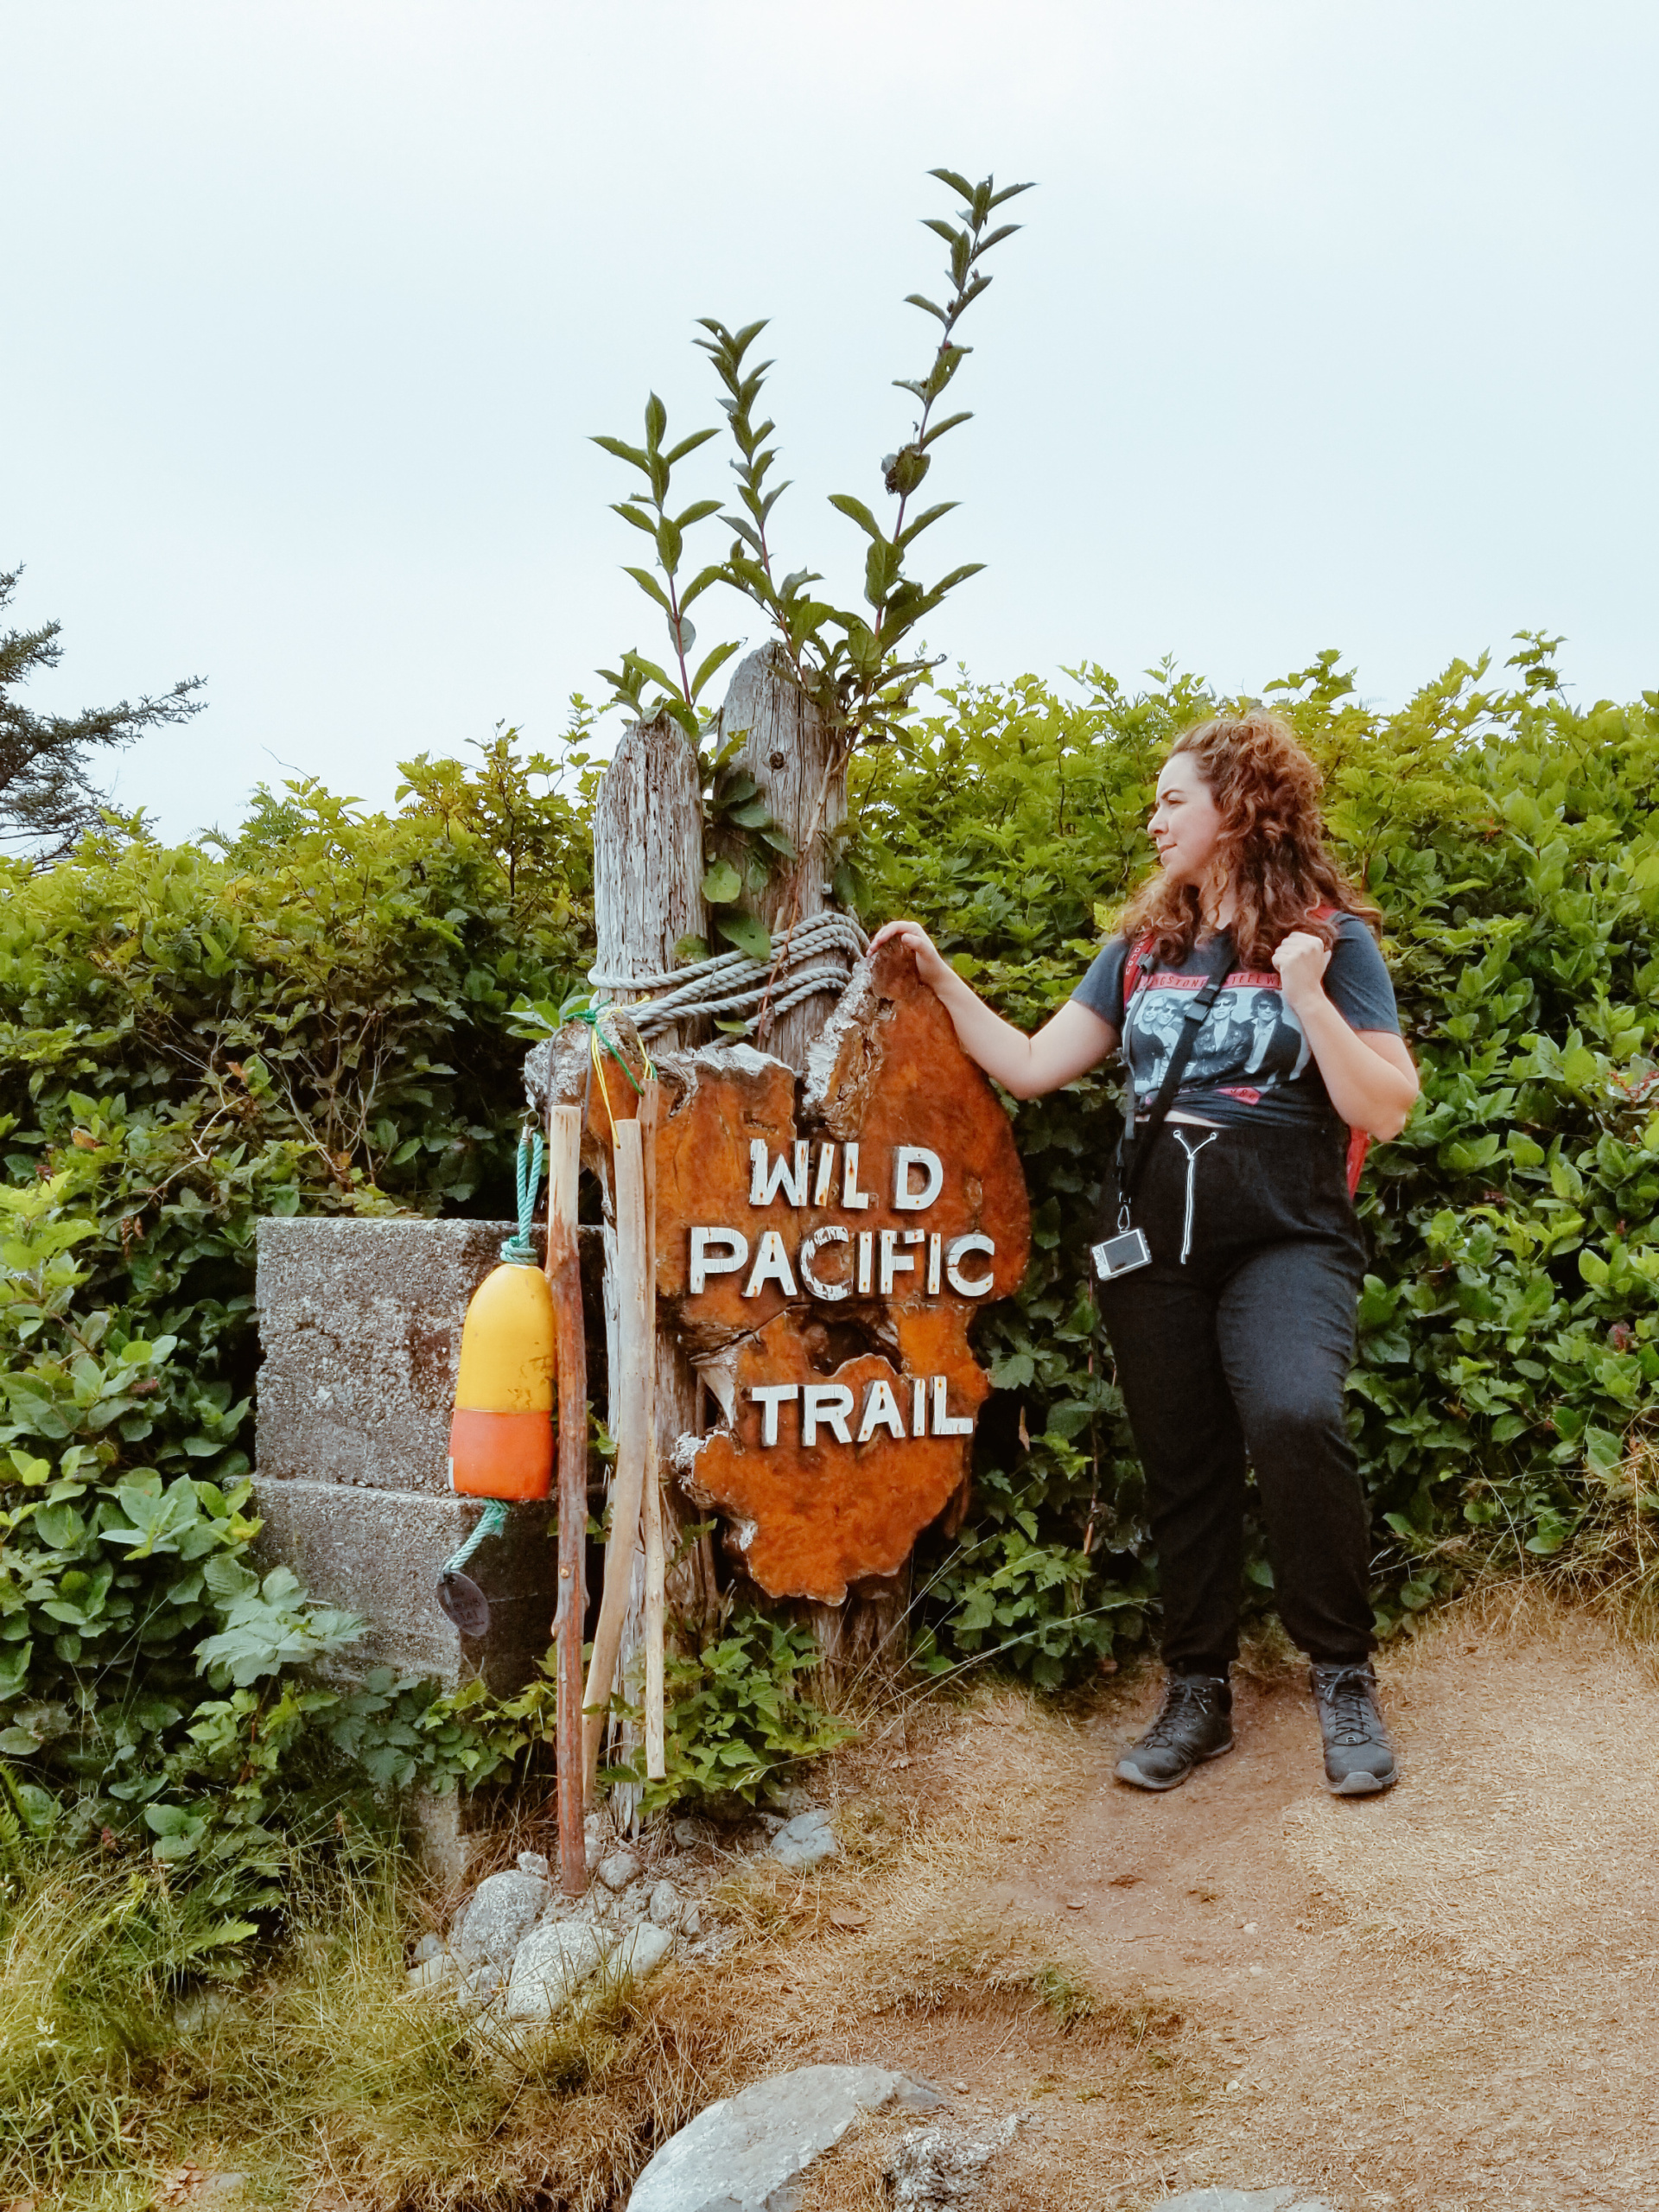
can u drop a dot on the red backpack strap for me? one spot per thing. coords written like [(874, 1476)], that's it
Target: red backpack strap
[(1359, 1143), (1359, 1140), (1140, 953)]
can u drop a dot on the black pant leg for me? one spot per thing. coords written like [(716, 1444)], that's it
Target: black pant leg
[(1163, 1336), (1285, 1328)]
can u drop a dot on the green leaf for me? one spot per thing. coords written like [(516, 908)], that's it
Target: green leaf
[(710, 665), (857, 511), (630, 453), (721, 884), (747, 932)]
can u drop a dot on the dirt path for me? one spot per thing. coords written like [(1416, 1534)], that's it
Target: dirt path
[(1443, 2001)]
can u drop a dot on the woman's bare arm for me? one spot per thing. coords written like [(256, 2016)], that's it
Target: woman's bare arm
[(1368, 1072), (1065, 1048)]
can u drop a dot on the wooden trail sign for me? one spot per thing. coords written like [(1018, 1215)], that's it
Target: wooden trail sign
[(824, 1259)]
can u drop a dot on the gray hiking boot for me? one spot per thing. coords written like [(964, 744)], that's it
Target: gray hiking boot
[(1194, 1724), (1358, 1757)]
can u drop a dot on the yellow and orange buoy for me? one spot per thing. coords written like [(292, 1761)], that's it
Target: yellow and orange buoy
[(501, 1436)]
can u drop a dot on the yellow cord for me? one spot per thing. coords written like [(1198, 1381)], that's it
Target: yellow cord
[(593, 1020)]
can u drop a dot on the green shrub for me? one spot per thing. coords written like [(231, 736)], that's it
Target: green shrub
[(318, 1014), (314, 1019), (1508, 1329)]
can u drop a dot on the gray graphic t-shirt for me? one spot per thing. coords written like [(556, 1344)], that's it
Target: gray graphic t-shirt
[(1251, 1064)]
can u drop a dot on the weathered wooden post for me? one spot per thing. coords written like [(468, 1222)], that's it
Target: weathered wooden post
[(564, 1272), (647, 896), (794, 758)]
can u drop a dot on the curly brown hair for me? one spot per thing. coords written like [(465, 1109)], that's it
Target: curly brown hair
[(1272, 849)]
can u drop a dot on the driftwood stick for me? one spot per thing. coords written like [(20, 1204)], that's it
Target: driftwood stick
[(630, 1400), (651, 1517), (565, 1273)]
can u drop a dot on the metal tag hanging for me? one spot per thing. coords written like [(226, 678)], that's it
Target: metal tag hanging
[(464, 1602)]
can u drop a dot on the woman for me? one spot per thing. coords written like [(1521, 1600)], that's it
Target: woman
[(1233, 1342)]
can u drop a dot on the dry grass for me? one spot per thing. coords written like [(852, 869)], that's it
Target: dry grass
[(1611, 1568), (328, 2086), (1000, 1916)]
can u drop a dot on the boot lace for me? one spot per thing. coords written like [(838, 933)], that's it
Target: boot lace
[(1347, 1697), (1182, 1696)]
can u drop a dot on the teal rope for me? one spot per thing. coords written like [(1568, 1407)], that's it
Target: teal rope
[(520, 1249), (593, 1017), (492, 1521)]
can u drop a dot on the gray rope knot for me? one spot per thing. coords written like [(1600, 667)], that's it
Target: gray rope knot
[(807, 961)]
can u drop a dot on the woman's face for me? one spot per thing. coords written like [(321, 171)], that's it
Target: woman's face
[(1185, 822)]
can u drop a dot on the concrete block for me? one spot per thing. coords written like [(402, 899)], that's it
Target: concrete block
[(359, 1324), (379, 1552)]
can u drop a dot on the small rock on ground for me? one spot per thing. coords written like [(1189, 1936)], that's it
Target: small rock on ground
[(639, 1953), (504, 1908), (433, 1972), (932, 2168), (534, 1862), (427, 1948), (618, 1870), (665, 1905), (549, 1966), (738, 2154), (1242, 2200), (807, 1840)]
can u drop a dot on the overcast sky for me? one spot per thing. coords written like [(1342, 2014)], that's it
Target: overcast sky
[(1333, 324)]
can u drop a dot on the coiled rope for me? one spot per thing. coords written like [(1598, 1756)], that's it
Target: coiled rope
[(520, 1247), (492, 1521), (731, 984)]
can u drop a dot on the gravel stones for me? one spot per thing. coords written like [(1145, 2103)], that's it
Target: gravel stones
[(639, 1954), (433, 1972), (549, 1968), (805, 1841), (933, 2168), (618, 1870), (503, 1910), (740, 2154)]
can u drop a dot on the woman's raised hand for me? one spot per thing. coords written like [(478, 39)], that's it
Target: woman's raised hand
[(931, 963), (1301, 961), (1068, 1045)]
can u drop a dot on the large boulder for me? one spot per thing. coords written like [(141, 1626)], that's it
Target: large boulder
[(741, 2154)]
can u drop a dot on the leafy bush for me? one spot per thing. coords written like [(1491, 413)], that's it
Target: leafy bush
[(318, 1014), (737, 1716), (314, 1020), (1508, 1329)]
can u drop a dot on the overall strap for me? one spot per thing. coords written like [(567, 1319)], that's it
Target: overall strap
[(1136, 1143)]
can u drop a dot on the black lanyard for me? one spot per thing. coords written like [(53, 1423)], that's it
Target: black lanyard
[(1136, 1143)]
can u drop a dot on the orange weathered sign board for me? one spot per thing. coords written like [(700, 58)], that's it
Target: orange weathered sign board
[(824, 1254)]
